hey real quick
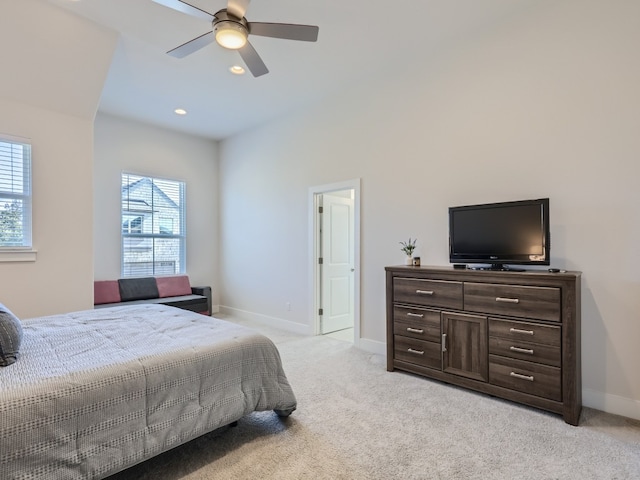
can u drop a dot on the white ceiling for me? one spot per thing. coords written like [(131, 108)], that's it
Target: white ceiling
[(359, 40)]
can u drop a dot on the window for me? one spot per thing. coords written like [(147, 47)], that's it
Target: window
[(166, 226), (15, 193), (153, 226), (131, 224)]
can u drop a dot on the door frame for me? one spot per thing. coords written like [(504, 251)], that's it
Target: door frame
[(314, 250)]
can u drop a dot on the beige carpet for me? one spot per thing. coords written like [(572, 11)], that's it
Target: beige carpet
[(357, 421)]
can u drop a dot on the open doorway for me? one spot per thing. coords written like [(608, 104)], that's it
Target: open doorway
[(335, 251)]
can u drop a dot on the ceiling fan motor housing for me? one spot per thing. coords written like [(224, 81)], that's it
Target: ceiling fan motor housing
[(230, 31)]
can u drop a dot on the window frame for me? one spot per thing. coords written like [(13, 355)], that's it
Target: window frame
[(147, 243), (24, 251)]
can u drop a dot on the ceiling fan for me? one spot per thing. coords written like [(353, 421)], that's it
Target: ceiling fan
[(231, 29)]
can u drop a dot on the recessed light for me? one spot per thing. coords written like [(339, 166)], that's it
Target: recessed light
[(237, 70), (180, 111)]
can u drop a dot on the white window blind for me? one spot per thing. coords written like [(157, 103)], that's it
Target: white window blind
[(15, 193), (152, 226)]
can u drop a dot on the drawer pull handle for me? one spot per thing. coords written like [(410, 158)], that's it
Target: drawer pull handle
[(444, 342), (417, 352), (518, 330), (523, 377), (522, 350), (424, 292), (411, 314), (415, 330), (507, 300)]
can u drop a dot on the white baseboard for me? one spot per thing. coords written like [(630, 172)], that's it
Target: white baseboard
[(275, 322), (615, 404), (372, 346)]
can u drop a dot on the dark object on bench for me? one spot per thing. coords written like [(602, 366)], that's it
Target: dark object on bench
[(174, 290)]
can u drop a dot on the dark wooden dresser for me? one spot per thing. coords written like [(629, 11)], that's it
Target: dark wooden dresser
[(514, 335)]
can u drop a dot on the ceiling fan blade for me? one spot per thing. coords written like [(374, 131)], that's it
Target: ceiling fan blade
[(184, 7), (192, 45), (237, 7), (306, 33), (253, 60)]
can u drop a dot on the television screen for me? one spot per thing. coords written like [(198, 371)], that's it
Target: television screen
[(500, 233)]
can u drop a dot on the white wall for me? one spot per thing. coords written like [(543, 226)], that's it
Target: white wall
[(126, 145), (49, 92), (546, 106), (61, 278)]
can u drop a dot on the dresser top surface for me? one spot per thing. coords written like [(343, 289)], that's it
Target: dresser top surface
[(484, 275)]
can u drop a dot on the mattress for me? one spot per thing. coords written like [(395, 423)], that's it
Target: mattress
[(97, 391)]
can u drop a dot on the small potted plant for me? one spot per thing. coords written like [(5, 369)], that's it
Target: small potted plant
[(408, 248)]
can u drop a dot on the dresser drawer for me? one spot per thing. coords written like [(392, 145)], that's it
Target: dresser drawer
[(527, 377), (526, 332), (416, 323), (541, 303), (433, 293), (427, 354), (532, 352)]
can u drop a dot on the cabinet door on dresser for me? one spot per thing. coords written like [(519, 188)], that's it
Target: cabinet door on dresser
[(464, 345)]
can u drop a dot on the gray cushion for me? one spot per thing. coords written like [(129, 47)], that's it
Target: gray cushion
[(10, 336), (137, 288)]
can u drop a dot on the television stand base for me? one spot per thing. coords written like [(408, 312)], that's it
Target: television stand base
[(500, 267)]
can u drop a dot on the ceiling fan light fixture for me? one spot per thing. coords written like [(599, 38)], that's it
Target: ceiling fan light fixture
[(231, 35)]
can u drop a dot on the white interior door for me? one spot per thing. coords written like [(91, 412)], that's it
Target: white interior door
[(337, 268)]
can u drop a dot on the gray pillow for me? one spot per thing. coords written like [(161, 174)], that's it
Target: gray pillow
[(10, 336), (138, 288)]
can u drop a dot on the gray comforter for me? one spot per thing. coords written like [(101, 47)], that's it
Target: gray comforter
[(94, 392)]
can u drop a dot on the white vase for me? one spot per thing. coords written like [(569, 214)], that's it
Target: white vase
[(408, 260)]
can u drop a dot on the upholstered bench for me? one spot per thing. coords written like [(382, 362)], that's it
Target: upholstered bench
[(174, 290)]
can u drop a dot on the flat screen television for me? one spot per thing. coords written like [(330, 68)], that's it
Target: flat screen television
[(500, 234)]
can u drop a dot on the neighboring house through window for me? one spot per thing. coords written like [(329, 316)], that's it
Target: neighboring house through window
[(15, 193), (153, 226)]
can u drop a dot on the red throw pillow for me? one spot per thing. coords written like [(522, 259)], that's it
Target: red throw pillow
[(106, 291), (173, 286)]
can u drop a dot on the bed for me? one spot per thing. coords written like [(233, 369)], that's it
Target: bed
[(97, 391)]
